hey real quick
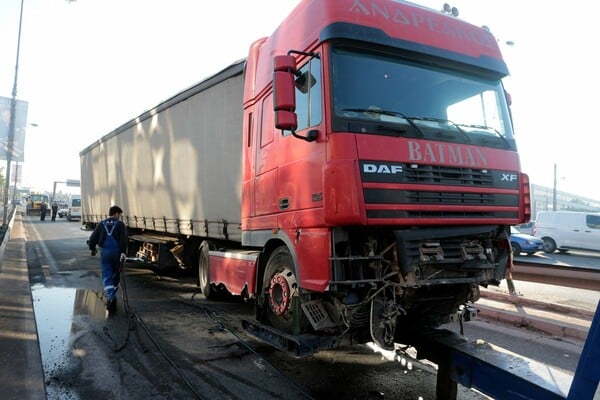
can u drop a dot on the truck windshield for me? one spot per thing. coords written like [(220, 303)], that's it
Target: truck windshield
[(38, 198), (381, 94)]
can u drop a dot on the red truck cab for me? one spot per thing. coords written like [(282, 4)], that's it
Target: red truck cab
[(380, 169)]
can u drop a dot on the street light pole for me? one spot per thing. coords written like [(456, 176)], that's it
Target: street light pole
[(11, 126), (14, 196)]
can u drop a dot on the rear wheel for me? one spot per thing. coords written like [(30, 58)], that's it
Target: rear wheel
[(204, 271), (549, 245), (516, 249), (280, 288)]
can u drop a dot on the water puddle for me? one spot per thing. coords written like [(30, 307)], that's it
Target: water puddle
[(60, 314)]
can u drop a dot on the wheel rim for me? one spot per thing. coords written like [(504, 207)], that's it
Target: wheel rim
[(203, 272), (549, 245), (281, 290)]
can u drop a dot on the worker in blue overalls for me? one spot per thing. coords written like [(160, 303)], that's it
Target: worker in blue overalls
[(111, 236)]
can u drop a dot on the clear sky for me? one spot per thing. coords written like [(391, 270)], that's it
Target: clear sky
[(88, 66)]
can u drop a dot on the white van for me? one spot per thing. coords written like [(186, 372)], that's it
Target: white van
[(564, 230), (74, 211)]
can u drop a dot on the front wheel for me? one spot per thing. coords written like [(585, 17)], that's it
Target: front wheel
[(280, 288)]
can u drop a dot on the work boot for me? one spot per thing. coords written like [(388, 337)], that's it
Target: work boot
[(111, 306)]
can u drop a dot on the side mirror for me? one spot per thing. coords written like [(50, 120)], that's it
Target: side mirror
[(508, 98), (284, 93)]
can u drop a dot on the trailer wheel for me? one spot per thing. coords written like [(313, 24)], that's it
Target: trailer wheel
[(279, 290), (204, 271)]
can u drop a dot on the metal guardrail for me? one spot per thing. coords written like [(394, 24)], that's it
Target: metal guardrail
[(574, 277)]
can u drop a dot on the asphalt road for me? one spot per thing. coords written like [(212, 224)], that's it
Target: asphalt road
[(175, 344)]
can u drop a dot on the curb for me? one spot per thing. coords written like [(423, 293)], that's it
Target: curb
[(559, 329), (541, 305), (21, 372)]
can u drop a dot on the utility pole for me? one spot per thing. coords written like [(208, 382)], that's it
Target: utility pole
[(11, 126), (554, 191)]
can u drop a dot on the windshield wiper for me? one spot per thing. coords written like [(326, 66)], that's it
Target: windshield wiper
[(445, 121), (487, 129), (386, 112)]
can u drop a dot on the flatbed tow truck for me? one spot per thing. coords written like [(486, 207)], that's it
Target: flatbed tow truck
[(490, 369)]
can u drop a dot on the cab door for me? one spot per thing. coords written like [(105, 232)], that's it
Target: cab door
[(301, 162), (266, 168)]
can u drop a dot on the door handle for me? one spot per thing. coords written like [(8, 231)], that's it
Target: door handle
[(284, 203)]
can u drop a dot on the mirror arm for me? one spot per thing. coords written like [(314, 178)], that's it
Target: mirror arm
[(313, 134), (304, 53)]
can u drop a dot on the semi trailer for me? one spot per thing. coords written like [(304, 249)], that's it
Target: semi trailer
[(355, 176)]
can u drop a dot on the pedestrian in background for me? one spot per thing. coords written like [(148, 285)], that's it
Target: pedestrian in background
[(54, 210), (111, 236), (43, 209)]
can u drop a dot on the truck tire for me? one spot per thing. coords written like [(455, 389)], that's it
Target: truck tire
[(279, 289), (549, 245), (204, 271)]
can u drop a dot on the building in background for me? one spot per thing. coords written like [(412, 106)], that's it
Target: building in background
[(542, 199)]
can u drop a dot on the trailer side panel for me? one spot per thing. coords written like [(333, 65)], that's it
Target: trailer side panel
[(176, 168)]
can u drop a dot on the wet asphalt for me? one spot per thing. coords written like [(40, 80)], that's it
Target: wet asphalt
[(193, 349)]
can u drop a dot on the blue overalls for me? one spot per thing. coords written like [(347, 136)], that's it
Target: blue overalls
[(110, 254)]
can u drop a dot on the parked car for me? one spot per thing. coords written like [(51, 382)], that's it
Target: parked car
[(565, 230), (526, 228), (524, 243), (62, 212)]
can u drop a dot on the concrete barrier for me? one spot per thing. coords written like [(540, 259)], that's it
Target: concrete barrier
[(5, 234)]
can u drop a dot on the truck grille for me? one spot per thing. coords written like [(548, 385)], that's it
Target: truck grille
[(441, 175), (425, 214), (399, 196), (411, 185), (404, 200)]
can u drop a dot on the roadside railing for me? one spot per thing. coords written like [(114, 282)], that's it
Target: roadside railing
[(574, 277)]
